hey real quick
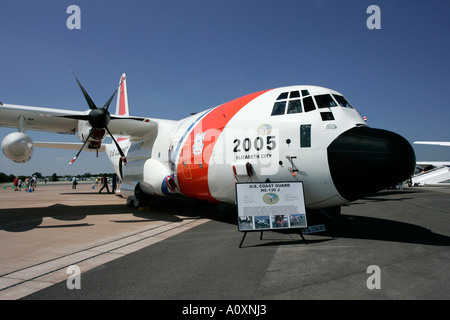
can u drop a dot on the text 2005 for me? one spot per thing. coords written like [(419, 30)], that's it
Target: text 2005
[(258, 144)]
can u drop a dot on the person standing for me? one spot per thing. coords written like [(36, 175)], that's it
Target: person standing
[(16, 184), (33, 182), (105, 184), (74, 182), (27, 184), (114, 183)]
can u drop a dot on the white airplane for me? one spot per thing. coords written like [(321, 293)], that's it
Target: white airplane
[(434, 163), (296, 133), (436, 143), (431, 172)]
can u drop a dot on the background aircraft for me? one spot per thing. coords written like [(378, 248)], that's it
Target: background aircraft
[(431, 172), (437, 143), (296, 133)]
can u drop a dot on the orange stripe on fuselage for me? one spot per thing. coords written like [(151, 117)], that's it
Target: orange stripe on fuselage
[(192, 168)]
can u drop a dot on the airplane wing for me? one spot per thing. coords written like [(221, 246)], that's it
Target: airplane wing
[(66, 145), (434, 163), (136, 128), (37, 118), (65, 122), (437, 143), (91, 126)]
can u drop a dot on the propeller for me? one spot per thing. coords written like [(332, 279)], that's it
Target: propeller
[(98, 118)]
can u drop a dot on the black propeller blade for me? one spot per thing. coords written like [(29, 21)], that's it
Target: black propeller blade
[(122, 155), (86, 95), (98, 118), (85, 141)]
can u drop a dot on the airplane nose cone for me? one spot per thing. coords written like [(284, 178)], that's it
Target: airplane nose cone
[(364, 160)]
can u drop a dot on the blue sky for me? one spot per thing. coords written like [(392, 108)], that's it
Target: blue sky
[(187, 56)]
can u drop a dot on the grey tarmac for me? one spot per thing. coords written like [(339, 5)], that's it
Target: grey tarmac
[(187, 250)]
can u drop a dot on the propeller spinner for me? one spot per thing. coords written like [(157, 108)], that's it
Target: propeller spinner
[(98, 118)]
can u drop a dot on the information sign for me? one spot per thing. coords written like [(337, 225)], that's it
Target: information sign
[(266, 206)]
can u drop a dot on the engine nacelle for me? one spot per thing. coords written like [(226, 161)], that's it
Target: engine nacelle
[(18, 147), (157, 179)]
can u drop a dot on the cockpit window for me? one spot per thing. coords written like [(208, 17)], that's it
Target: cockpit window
[(294, 94), (294, 103), (308, 104), (279, 108), (295, 106), (325, 101), (342, 101), (282, 96)]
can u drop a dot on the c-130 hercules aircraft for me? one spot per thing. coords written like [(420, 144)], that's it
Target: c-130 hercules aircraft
[(297, 133)]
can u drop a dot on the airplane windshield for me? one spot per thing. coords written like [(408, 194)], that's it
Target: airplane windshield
[(325, 101), (279, 108), (342, 101), (295, 104)]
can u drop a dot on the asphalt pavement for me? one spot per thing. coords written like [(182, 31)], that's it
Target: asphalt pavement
[(392, 245)]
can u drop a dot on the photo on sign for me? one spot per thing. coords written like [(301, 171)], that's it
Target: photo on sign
[(297, 220), (280, 221), (245, 223), (262, 222)]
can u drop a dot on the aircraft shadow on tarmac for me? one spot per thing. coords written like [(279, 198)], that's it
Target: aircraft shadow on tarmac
[(22, 220), (358, 227), (347, 226)]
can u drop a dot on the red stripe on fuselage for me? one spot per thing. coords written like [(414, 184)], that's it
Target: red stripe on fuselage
[(192, 168)]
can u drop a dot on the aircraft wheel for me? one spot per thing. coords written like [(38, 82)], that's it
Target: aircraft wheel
[(140, 197), (130, 202)]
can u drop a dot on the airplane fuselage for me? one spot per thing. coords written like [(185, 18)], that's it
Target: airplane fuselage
[(297, 133)]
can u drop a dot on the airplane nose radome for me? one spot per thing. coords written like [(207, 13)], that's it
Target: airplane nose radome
[(364, 160)]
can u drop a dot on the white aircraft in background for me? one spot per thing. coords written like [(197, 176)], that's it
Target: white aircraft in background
[(298, 133), (432, 172), (434, 163), (436, 143)]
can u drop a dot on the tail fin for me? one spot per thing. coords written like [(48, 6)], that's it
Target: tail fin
[(122, 98)]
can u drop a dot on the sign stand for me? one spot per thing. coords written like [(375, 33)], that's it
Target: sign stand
[(242, 241), (270, 206), (260, 237)]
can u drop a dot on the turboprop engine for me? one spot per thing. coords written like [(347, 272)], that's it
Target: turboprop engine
[(18, 147)]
